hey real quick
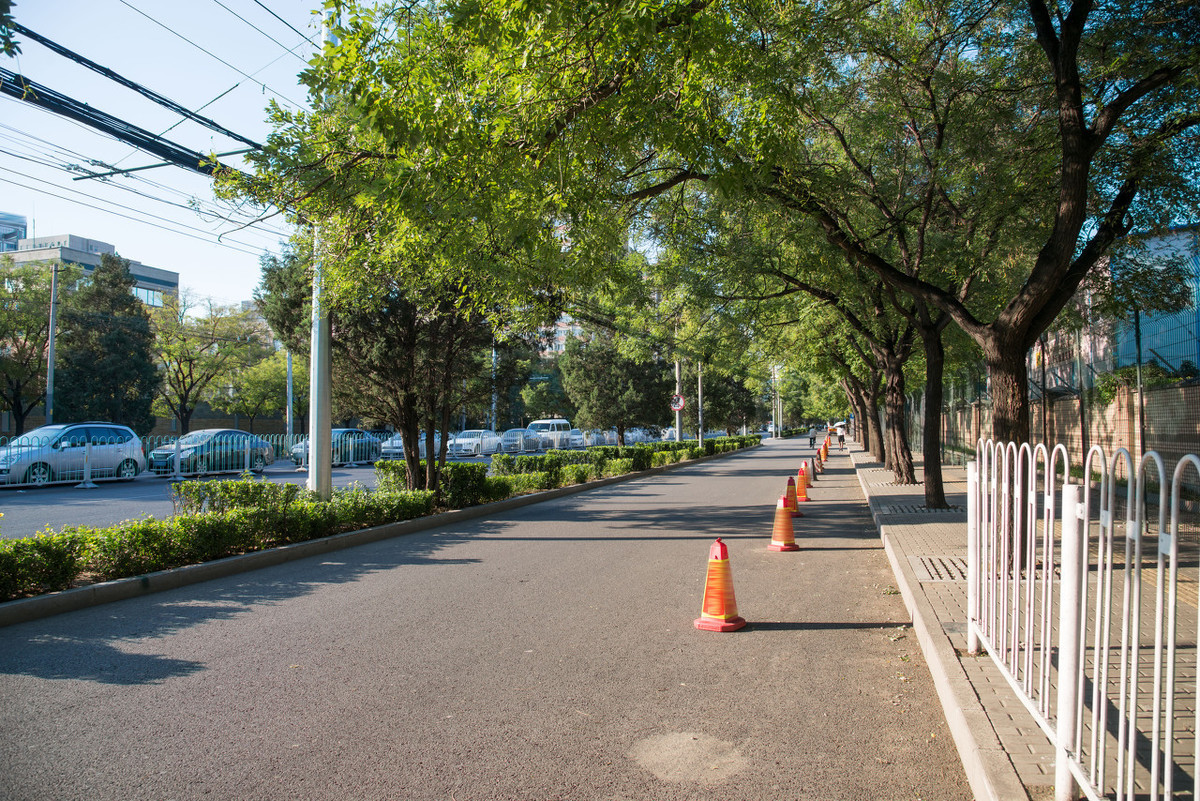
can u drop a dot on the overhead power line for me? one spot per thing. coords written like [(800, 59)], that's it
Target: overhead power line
[(137, 87), (22, 88), (210, 54), (290, 50)]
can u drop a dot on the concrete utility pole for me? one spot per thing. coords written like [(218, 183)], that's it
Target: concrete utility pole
[(320, 431), (678, 391), (291, 402), (50, 349)]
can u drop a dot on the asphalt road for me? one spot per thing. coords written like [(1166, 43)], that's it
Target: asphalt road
[(545, 653)]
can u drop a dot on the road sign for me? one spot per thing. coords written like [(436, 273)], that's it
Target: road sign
[(677, 403)]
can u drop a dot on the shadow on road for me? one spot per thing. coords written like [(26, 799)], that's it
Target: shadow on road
[(70, 647)]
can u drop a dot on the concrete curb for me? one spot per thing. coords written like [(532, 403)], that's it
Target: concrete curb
[(39, 606), (989, 770)]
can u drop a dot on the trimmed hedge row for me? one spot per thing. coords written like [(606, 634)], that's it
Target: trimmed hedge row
[(221, 518), (215, 519)]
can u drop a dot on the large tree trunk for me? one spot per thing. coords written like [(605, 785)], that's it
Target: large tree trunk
[(1009, 377), (898, 450), (878, 445), (931, 439)]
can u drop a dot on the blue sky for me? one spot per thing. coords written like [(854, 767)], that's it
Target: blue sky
[(159, 44)]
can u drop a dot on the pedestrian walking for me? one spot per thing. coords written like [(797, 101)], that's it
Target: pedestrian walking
[(841, 434), (812, 436)]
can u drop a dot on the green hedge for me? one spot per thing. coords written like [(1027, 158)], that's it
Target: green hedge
[(216, 519)]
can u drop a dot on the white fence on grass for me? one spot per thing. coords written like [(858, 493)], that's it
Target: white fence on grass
[(1089, 607)]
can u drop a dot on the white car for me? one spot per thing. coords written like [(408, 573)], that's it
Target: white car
[(476, 442), (555, 432), (575, 438), (519, 440)]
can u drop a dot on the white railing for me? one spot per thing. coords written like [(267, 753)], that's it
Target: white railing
[(1096, 646)]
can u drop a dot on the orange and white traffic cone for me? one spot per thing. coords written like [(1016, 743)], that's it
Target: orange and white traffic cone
[(801, 488), (782, 536), (792, 498), (719, 612)]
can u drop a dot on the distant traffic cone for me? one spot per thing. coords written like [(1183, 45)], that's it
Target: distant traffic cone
[(782, 537), (825, 450), (801, 488), (719, 612), (792, 497)]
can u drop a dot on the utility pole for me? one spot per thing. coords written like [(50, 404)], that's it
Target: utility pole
[(291, 402), (320, 431), (700, 401), (678, 391), (50, 349)]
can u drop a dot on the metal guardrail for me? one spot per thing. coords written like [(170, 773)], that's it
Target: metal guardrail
[(1081, 610)]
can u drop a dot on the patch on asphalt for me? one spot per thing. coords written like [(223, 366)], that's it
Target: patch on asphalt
[(688, 757)]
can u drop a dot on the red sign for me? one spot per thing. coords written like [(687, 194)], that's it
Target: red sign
[(677, 403)]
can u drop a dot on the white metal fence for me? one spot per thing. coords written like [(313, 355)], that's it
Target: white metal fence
[(1089, 607)]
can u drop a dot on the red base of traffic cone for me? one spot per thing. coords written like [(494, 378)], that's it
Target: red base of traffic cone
[(708, 624)]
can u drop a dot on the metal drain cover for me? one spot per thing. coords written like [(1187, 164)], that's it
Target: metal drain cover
[(917, 509), (939, 568)]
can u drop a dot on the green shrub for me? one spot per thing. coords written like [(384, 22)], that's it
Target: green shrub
[(464, 484), (503, 464), (391, 475), (42, 563), (576, 474), (618, 467), (195, 497), (136, 547)]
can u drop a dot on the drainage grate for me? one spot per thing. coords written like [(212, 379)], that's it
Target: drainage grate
[(939, 568), (917, 509)]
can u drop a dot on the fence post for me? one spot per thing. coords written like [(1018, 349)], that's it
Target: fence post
[(972, 557), (87, 468), (1069, 620), (176, 475), (247, 468)]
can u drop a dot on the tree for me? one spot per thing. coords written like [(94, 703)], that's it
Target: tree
[(260, 389), (197, 354), (25, 333), (106, 368), (609, 389), (1028, 138), (545, 395)]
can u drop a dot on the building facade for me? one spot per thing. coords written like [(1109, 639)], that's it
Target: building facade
[(153, 283)]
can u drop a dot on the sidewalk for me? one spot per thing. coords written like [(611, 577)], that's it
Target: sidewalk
[(1005, 754)]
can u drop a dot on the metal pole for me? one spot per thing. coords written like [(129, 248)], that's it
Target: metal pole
[(493, 385), (320, 431), (700, 401), (50, 349), (291, 402), (1068, 643), (678, 391), (972, 557)]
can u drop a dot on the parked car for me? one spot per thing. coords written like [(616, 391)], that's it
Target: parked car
[(575, 439), (393, 447), (554, 432), (213, 450), (594, 437), (58, 452), (519, 440), (476, 442), (350, 446)]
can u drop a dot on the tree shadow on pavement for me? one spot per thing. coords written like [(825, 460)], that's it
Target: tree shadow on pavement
[(97, 644)]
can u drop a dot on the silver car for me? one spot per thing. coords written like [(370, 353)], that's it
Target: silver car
[(70, 452), (519, 440)]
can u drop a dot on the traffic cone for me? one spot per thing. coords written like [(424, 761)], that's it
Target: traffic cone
[(792, 498), (719, 612), (782, 536), (801, 488), (811, 471), (825, 450)]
